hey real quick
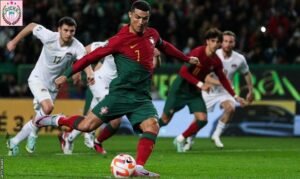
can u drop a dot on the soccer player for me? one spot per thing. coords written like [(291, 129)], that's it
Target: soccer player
[(232, 62), (186, 89), (103, 74), (129, 93), (60, 49)]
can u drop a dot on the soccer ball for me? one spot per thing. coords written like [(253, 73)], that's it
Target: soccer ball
[(122, 166)]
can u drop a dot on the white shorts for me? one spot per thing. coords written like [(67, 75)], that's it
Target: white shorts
[(211, 99), (99, 89), (40, 93)]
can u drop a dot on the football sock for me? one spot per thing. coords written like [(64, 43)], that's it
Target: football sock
[(72, 136), (145, 147), (39, 113), (71, 122), (219, 129), (106, 133), (24, 133), (194, 128)]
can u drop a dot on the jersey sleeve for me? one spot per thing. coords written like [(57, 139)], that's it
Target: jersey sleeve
[(223, 79), (110, 48), (169, 49), (42, 33), (80, 51), (95, 45), (184, 73), (244, 68)]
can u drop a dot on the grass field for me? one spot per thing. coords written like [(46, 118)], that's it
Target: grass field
[(243, 157)]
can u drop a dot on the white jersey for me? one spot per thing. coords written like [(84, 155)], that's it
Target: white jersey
[(54, 59), (103, 76), (108, 70), (218, 94), (236, 62)]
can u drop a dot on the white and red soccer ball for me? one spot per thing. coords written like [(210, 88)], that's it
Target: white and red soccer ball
[(122, 166)]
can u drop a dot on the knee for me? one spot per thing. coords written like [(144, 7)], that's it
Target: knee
[(48, 109), (87, 127), (150, 125), (230, 109), (115, 123)]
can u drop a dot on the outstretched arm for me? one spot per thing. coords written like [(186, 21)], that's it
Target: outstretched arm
[(184, 73), (11, 45), (172, 51)]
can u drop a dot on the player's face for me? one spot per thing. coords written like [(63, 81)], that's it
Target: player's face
[(213, 44), (66, 33), (138, 20), (228, 43)]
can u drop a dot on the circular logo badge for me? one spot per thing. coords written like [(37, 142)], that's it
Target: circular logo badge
[(11, 13)]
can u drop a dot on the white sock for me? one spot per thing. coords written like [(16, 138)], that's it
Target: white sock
[(219, 129), (180, 138), (24, 133), (39, 113), (72, 136)]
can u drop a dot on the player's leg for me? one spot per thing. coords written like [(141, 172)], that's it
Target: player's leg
[(172, 105), (29, 129), (89, 104), (45, 107), (144, 119), (229, 109), (109, 130), (66, 138), (198, 107)]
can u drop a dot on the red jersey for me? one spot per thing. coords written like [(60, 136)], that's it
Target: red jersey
[(139, 48), (196, 73)]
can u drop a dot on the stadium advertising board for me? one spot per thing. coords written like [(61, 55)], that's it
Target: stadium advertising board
[(270, 82), (269, 118)]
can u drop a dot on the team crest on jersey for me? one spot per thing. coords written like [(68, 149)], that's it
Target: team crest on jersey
[(104, 110), (151, 39)]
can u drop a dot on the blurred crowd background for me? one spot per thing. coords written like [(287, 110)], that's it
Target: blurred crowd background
[(268, 32)]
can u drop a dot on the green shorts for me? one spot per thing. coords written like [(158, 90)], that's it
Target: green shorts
[(114, 106), (181, 94)]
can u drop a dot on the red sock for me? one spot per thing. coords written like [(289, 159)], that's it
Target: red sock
[(71, 122), (106, 133), (144, 148), (194, 128)]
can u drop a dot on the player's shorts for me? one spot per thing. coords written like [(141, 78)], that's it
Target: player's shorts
[(99, 89), (211, 99), (40, 93), (177, 99), (115, 106)]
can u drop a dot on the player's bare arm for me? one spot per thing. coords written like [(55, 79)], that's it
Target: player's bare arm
[(60, 81), (250, 95), (11, 45)]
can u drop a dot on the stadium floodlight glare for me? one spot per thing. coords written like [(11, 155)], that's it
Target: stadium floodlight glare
[(263, 29)]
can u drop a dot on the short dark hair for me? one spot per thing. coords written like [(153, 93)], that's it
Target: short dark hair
[(213, 33), (141, 5), (68, 21)]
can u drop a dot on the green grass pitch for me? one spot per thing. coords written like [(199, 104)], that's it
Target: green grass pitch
[(242, 157)]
